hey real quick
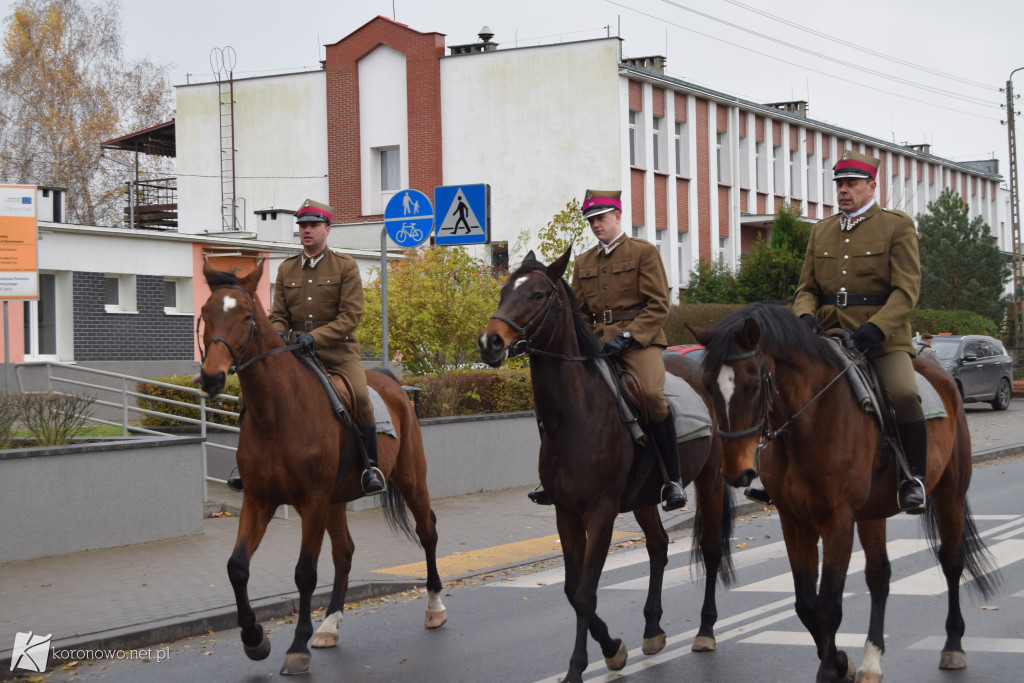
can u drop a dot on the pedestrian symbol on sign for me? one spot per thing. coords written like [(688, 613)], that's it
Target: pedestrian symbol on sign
[(459, 218)]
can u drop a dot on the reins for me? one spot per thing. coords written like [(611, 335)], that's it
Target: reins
[(524, 344), (236, 366)]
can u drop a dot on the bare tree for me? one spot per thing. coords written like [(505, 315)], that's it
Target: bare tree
[(66, 87)]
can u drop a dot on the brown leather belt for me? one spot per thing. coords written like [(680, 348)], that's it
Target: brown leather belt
[(844, 299), (310, 325), (609, 317)]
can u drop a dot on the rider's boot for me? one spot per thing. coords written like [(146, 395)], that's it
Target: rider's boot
[(664, 432), (539, 496), (757, 495), (914, 437), (235, 483), (373, 479)]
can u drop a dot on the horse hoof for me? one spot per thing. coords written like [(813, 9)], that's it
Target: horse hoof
[(324, 640), (704, 644), (654, 645), (851, 670), (953, 660), (436, 619), (295, 663), (258, 652), (618, 662)]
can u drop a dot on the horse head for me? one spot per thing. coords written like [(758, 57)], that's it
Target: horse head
[(229, 324), (527, 299), (736, 376)]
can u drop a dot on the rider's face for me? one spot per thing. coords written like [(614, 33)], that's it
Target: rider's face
[(313, 237), (606, 226)]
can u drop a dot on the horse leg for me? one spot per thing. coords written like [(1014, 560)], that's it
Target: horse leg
[(657, 553), (342, 547), (949, 512), (837, 544), (585, 551), (712, 526), (314, 514), (252, 524), (418, 501), (877, 571)]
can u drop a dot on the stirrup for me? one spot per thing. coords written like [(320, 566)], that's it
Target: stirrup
[(378, 479), (234, 483), (757, 495), (669, 502), (906, 488), (539, 496)]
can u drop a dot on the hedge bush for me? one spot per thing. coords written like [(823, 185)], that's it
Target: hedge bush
[(473, 392), (159, 392), (952, 322), (698, 315)]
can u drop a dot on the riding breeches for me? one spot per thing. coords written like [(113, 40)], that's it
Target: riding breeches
[(896, 373), (647, 365), (353, 371)]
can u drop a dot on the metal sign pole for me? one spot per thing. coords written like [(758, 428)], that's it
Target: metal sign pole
[(383, 296), (7, 354)]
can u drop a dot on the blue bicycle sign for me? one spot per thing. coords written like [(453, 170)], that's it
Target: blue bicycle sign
[(409, 218)]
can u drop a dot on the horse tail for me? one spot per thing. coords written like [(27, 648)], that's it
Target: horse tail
[(396, 514), (726, 570), (977, 560)]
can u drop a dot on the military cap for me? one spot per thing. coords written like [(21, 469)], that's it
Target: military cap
[(855, 165), (314, 212), (596, 202)]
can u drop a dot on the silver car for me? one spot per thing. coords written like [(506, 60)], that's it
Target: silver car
[(979, 364)]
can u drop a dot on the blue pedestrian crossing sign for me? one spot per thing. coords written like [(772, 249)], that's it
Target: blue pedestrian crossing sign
[(463, 214), (409, 218)]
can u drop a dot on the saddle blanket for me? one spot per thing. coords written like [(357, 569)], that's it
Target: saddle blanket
[(692, 418), (382, 414), (931, 404)]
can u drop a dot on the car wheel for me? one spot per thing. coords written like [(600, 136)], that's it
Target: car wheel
[(1003, 395)]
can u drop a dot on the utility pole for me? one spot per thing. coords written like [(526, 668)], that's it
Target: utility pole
[(1018, 272)]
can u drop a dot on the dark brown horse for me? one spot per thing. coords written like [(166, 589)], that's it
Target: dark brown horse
[(587, 458), (819, 457), (289, 453)]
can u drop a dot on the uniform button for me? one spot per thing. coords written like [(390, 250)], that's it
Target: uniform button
[(826, 253), (847, 240), (309, 298), (846, 256), (604, 270), (310, 315), (844, 272), (869, 253), (842, 289), (309, 281), (605, 288)]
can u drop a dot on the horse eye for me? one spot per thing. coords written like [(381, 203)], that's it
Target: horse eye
[(537, 296)]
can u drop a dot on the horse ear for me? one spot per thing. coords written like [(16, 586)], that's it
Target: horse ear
[(252, 278), (208, 270), (557, 268), (749, 335), (529, 257), (701, 334)]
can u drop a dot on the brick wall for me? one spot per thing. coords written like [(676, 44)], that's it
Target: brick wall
[(636, 96), (683, 205), (636, 195), (660, 201), (149, 334), (703, 176), (423, 52)]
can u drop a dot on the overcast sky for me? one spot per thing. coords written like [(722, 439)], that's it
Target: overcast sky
[(909, 71)]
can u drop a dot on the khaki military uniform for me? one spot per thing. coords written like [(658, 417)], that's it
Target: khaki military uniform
[(327, 302), (627, 289), (878, 256)]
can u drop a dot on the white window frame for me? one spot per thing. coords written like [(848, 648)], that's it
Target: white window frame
[(682, 149), (182, 296), (660, 152), (761, 164), (379, 195), (126, 301)]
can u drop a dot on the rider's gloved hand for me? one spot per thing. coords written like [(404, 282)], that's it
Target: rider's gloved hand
[(868, 336), (306, 341), (812, 322), (617, 344), (283, 335)]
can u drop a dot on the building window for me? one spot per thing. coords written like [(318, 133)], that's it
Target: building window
[(760, 163), (120, 294), (660, 157), (178, 296), (794, 176), (723, 157), (390, 170), (777, 171), (682, 149)]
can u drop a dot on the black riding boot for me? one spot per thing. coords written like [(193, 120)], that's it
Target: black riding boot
[(757, 495), (235, 483), (372, 479), (914, 437), (539, 496), (672, 495)]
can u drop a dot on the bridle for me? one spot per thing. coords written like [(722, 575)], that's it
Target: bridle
[(236, 356), (525, 343)]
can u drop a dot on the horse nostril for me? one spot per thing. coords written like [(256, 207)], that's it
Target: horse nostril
[(497, 343)]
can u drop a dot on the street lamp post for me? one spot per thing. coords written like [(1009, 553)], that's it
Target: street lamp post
[(1018, 272)]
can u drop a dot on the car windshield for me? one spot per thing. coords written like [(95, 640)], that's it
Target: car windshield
[(948, 349)]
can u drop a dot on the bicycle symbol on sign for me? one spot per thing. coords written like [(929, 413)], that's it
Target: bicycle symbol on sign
[(409, 233)]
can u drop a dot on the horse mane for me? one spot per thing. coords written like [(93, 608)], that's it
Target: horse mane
[(221, 278), (590, 345), (782, 334)]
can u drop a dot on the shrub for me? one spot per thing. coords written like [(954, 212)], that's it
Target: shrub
[(473, 392), (698, 315), (54, 419), (160, 392), (952, 322), (10, 409)]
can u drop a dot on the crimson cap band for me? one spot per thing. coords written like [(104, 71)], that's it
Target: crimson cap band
[(855, 165), (314, 212), (596, 202)]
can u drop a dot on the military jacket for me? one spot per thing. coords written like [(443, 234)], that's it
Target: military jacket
[(630, 278), (878, 256), (326, 301)]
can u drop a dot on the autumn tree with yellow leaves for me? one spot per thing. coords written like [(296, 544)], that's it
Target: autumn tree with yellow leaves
[(66, 87)]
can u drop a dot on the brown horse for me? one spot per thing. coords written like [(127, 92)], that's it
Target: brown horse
[(587, 458), (818, 455), (290, 452)]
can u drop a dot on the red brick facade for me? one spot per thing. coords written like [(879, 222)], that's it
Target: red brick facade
[(423, 77), (703, 175)]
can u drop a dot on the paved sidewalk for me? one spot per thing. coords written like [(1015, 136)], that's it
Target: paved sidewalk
[(145, 594)]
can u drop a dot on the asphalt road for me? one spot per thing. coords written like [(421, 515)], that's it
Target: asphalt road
[(518, 626)]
